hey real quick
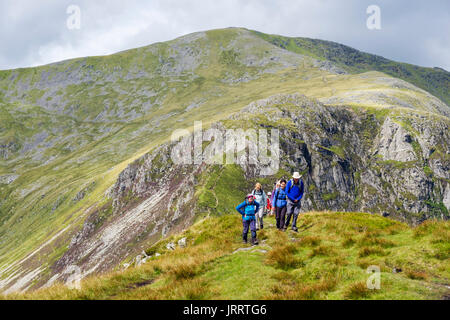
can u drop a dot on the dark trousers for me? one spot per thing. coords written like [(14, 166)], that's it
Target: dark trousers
[(280, 214), (292, 209), (249, 224)]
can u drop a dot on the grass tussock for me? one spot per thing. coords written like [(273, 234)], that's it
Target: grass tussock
[(283, 257), (357, 291), (195, 289), (262, 235), (431, 227), (292, 288), (310, 241), (368, 251), (348, 242), (395, 229), (186, 289), (322, 250), (370, 234), (442, 252), (184, 270), (371, 241), (316, 290), (440, 236), (364, 263), (338, 261), (416, 275)]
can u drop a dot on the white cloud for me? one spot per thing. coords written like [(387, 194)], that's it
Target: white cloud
[(35, 32)]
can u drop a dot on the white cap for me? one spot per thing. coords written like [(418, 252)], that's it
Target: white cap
[(296, 175)]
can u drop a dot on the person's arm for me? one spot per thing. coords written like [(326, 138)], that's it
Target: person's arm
[(274, 201), (264, 204), (288, 186), (239, 208), (302, 189)]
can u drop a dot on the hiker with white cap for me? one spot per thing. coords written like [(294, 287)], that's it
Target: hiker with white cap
[(294, 190)]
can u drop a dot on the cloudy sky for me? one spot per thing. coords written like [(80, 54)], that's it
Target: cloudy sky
[(36, 32)]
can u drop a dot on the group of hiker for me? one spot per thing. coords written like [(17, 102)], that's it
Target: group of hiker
[(284, 202)]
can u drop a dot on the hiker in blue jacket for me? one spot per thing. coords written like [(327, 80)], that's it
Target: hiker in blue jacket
[(294, 189), (247, 209), (279, 203)]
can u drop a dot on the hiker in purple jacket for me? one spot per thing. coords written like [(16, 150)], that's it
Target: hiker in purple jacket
[(276, 186), (279, 203), (294, 190)]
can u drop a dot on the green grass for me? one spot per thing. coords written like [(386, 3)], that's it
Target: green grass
[(221, 188), (313, 264)]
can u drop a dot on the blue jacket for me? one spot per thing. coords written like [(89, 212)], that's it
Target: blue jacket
[(279, 198), (295, 191), (248, 210)]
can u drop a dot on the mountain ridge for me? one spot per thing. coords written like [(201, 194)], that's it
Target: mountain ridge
[(436, 80)]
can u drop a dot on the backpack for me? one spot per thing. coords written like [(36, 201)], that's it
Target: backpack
[(261, 190), (247, 204), (277, 194), (292, 183), (290, 186)]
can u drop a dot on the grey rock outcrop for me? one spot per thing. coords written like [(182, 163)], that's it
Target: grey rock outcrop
[(394, 142)]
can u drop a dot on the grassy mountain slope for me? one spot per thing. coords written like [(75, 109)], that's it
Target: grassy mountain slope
[(68, 129), (434, 80), (326, 260)]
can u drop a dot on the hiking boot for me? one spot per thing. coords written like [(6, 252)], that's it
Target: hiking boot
[(254, 241), (244, 241), (262, 227), (294, 229)]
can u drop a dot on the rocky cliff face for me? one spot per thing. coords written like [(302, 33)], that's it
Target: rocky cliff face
[(388, 162)]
